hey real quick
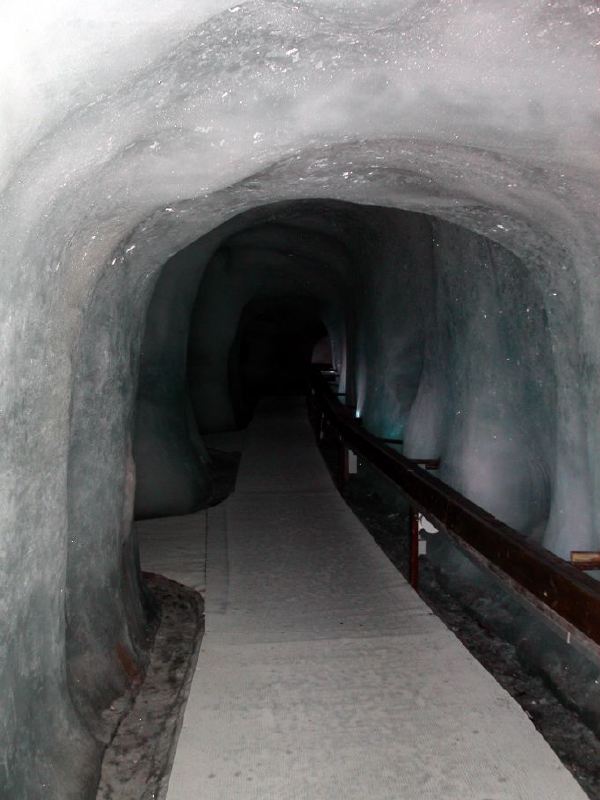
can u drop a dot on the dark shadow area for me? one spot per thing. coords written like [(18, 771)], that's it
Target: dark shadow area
[(272, 351), (223, 467)]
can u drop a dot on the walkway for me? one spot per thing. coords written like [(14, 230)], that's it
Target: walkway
[(322, 675)]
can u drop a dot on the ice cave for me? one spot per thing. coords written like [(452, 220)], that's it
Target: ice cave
[(195, 193)]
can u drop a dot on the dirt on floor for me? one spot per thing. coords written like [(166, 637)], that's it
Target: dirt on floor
[(138, 760)]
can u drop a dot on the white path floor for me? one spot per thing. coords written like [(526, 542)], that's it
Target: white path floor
[(322, 675)]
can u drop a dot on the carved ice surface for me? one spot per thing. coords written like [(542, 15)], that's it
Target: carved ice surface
[(130, 130)]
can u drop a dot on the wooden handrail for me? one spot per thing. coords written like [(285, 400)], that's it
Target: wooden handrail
[(557, 585)]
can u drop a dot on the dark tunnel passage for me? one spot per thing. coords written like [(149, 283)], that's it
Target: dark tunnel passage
[(272, 351), (440, 336), (200, 199)]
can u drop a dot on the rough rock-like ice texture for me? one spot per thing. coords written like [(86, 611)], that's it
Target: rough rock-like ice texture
[(131, 130)]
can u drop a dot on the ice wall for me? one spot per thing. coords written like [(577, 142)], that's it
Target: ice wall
[(128, 132), (172, 475), (487, 396)]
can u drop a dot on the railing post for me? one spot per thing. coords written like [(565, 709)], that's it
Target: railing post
[(343, 466), (413, 547), (321, 425)]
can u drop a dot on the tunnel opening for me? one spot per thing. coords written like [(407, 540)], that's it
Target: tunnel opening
[(272, 351)]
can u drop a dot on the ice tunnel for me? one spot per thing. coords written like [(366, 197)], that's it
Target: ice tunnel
[(185, 183)]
